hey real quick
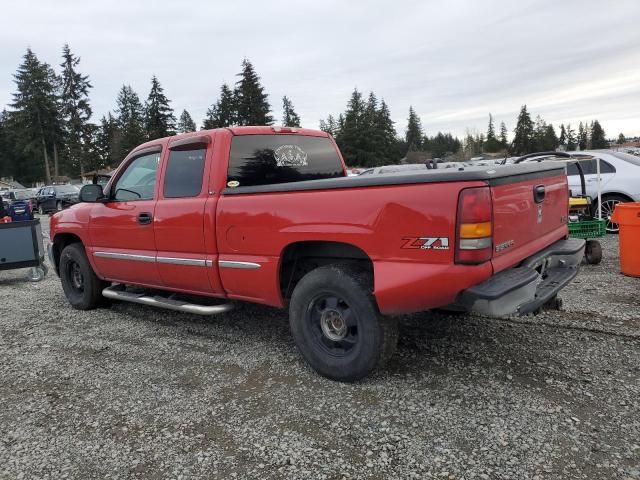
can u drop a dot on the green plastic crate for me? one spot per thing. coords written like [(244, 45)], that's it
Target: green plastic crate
[(588, 229)]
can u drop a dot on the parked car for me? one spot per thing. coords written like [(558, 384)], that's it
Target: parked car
[(272, 218), (406, 168), (18, 204), (56, 197), (619, 179)]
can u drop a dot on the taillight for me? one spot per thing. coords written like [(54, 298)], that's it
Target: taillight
[(474, 230)]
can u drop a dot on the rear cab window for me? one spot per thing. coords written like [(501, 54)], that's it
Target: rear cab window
[(272, 159)]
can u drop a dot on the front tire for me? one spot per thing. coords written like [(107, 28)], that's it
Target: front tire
[(337, 326), (58, 206), (41, 210), (81, 286)]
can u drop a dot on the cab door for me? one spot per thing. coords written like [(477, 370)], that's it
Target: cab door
[(183, 218), (121, 230), (589, 168)]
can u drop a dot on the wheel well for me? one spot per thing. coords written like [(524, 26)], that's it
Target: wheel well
[(59, 242), (300, 258), (614, 194)]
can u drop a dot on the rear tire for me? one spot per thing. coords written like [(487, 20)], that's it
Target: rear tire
[(58, 206), (337, 326), (593, 252), (609, 203), (81, 286)]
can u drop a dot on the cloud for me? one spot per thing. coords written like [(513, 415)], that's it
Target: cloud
[(454, 61)]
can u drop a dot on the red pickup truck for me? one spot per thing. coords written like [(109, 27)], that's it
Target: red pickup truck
[(268, 215)]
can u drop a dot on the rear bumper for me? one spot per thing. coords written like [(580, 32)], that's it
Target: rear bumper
[(525, 288)]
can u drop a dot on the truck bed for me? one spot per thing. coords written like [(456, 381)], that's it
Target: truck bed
[(490, 175)]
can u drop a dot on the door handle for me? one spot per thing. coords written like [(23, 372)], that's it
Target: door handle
[(145, 218), (538, 193)]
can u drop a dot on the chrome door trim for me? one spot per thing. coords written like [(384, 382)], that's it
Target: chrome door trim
[(241, 265), (125, 256), (193, 262)]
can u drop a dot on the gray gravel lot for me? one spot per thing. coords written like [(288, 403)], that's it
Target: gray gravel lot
[(133, 392)]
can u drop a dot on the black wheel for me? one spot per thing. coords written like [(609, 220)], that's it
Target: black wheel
[(336, 324), (58, 206), (40, 209), (609, 203), (81, 286), (593, 252)]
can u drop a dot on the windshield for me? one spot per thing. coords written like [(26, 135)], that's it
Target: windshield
[(67, 189), (22, 195)]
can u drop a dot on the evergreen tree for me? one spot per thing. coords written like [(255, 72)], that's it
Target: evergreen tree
[(289, 117), (330, 125), (186, 123), (621, 139), (372, 141), (492, 144), (571, 138), (414, 133), (442, 145), (75, 110), (387, 134), (35, 120), (130, 122), (563, 135), (252, 102), (550, 140), (107, 140), (491, 131), (351, 140), (504, 142), (159, 120), (523, 141), (224, 112), (598, 138), (6, 150), (582, 137)]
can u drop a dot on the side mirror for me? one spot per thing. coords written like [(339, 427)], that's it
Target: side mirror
[(91, 193)]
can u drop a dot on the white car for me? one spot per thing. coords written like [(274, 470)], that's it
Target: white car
[(619, 180), (619, 177)]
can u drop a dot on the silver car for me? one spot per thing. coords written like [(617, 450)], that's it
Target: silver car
[(620, 180)]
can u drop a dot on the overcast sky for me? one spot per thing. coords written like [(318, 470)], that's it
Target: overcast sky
[(454, 61)]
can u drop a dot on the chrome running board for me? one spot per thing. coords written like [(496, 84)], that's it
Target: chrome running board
[(118, 292)]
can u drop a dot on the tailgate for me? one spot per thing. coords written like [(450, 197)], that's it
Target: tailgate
[(529, 213)]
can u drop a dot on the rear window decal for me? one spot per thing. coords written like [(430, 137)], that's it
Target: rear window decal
[(291, 156)]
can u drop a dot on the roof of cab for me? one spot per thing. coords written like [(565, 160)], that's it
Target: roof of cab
[(249, 130), (276, 129)]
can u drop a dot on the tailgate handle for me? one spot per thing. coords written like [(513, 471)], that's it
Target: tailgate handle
[(538, 193)]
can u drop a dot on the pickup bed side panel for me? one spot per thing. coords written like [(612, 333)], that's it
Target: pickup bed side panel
[(389, 223)]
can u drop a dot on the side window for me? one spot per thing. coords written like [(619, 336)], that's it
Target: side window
[(138, 180), (51, 191), (271, 159), (183, 177), (606, 167), (572, 169)]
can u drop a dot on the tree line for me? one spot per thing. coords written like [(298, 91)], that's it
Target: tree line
[(48, 131)]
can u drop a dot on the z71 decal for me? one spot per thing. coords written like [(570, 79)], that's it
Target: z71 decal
[(426, 243)]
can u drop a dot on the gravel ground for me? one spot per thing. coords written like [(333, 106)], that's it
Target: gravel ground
[(133, 392)]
